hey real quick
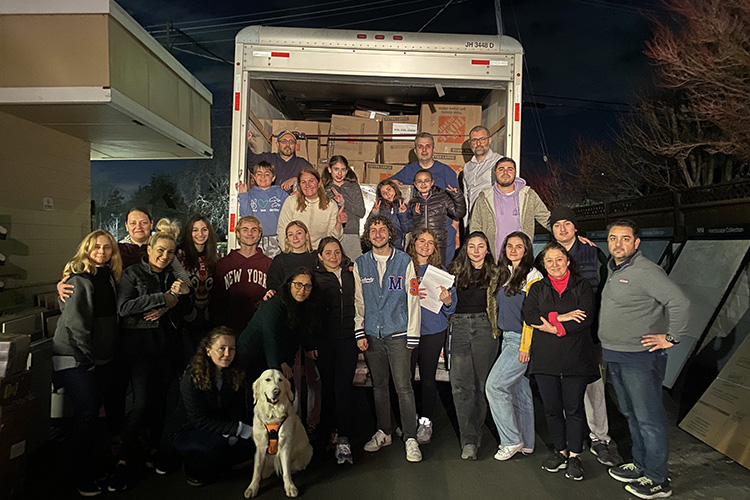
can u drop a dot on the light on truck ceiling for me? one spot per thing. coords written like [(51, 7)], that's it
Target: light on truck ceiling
[(398, 37), (379, 37), (361, 36)]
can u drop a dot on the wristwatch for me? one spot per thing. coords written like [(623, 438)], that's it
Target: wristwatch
[(669, 338)]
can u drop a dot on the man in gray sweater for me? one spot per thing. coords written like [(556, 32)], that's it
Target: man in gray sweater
[(643, 313)]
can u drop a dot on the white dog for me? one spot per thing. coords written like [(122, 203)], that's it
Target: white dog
[(281, 443)]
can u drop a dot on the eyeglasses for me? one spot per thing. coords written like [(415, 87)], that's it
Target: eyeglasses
[(287, 142), (478, 139), (299, 286)]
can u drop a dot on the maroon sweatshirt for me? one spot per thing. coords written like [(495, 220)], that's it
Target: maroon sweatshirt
[(239, 286)]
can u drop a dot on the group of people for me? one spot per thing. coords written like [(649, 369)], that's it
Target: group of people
[(136, 318)]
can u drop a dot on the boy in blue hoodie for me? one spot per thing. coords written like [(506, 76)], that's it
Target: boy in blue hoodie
[(264, 201)]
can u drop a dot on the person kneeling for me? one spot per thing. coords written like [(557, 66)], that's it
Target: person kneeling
[(216, 435)]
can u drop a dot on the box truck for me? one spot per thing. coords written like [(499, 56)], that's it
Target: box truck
[(440, 83)]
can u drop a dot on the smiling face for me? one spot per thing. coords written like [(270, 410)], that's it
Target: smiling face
[(161, 254), (379, 235), (331, 256), (338, 172), (287, 146), (297, 238), (423, 182), (424, 149), (263, 178), (622, 243), (222, 351), (249, 234), (301, 287), (199, 234), (476, 249), (139, 227), (514, 250), (388, 193), (308, 184), (556, 263), (101, 252), (424, 246)]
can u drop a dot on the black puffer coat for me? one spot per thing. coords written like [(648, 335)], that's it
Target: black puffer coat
[(336, 301), (433, 211)]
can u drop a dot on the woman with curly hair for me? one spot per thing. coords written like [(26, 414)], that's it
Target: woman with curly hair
[(84, 344), (217, 433), (314, 207)]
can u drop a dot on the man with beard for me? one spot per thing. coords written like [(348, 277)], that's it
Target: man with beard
[(508, 205), (386, 326), (478, 171), (286, 163)]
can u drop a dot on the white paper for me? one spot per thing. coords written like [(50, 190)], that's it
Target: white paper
[(404, 128), (432, 280)]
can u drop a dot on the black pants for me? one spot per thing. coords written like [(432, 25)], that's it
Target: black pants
[(208, 455), (427, 356), (564, 410), (337, 361)]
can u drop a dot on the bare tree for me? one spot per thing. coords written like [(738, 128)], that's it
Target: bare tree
[(606, 173), (554, 185)]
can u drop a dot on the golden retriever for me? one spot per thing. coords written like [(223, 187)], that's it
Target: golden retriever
[(272, 394)]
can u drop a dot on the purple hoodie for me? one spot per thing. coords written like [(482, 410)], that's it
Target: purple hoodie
[(507, 212)]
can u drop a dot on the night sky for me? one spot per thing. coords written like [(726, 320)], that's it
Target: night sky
[(584, 58)]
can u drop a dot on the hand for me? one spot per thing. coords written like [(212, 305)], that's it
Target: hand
[(249, 135), (287, 371), (586, 241), (269, 294), (288, 184), (337, 197), (154, 315), (523, 357), (170, 300), (376, 207), (578, 315), (312, 354), (362, 344), (422, 293), (341, 217), (656, 341), (398, 183), (401, 206), (418, 208), (180, 287), (546, 326), (64, 291), (445, 296), (241, 187), (451, 189)]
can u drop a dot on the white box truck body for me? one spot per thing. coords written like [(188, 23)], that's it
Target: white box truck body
[(310, 74)]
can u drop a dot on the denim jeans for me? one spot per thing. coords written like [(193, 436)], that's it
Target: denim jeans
[(639, 391), (386, 356), (509, 395), (473, 350)]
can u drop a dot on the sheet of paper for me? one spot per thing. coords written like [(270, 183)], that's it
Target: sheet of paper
[(432, 280)]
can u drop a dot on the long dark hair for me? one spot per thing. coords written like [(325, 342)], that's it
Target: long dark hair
[(298, 315), (411, 250), (191, 256), (202, 370), (461, 266), (322, 245), (326, 176), (514, 280), (385, 204)]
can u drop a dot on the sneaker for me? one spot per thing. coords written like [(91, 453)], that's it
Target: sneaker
[(505, 452), (424, 430), (645, 488), (119, 479), (469, 452), (527, 451), (575, 469), (557, 461), (89, 489), (626, 473), (379, 439), (343, 451), (412, 451), (194, 482), (600, 449)]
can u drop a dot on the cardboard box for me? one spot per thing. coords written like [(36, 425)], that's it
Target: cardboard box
[(360, 140), (359, 169), (398, 138), (15, 387), (373, 115), (721, 418), (398, 152), (455, 161), (450, 123), (14, 353), (376, 172), (323, 130), (14, 429)]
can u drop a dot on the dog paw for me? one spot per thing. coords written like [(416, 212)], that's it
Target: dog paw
[(251, 491), (291, 491)]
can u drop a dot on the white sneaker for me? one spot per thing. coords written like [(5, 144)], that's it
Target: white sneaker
[(527, 451), (412, 451), (424, 431), (505, 452), (379, 439)]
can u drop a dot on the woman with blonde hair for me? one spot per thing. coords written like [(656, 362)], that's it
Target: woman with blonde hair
[(298, 252), (152, 301), (83, 347), (314, 208)]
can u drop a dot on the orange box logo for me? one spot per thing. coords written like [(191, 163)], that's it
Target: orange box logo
[(451, 128)]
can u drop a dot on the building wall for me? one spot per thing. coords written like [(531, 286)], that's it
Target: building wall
[(37, 163)]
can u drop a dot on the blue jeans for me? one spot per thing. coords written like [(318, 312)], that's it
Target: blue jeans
[(509, 395), (639, 392)]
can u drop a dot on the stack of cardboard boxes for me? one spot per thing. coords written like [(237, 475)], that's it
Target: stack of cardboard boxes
[(378, 145), (16, 410)]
